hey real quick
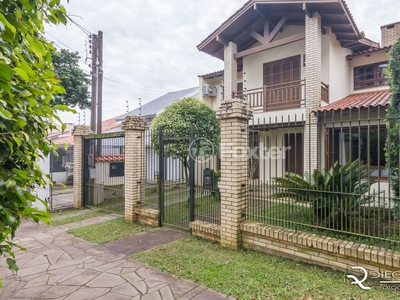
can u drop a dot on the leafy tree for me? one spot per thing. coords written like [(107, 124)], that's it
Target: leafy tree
[(73, 79), (176, 120), (27, 86), (392, 119)]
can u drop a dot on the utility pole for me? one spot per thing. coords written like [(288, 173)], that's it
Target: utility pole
[(96, 105), (99, 81), (93, 101)]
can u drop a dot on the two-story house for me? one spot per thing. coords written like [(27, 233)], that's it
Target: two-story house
[(313, 80)]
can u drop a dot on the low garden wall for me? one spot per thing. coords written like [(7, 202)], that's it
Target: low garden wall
[(306, 247), (147, 216)]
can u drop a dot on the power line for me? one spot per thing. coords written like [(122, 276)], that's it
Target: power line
[(141, 87), (81, 27)]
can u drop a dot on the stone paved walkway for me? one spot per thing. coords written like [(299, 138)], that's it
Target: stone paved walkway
[(58, 265)]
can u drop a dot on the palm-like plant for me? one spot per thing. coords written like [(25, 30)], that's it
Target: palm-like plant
[(334, 193)]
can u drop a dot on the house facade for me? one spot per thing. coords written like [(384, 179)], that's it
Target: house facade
[(313, 80)]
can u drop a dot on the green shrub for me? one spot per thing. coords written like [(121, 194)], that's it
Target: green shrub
[(335, 193)]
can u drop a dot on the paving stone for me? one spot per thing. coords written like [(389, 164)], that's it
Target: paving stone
[(106, 280), (181, 287), (62, 271), (154, 276), (41, 280), (112, 296), (125, 289), (38, 260), (115, 271), (136, 281), (166, 293), (152, 296), (33, 270), (82, 278), (58, 291), (87, 293), (193, 293), (32, 292)]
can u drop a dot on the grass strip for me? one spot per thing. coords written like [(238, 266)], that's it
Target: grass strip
[(108, 231), (77, 218), (252, 275)]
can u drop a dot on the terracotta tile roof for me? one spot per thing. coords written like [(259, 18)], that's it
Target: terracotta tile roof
[(69, 140), (362, 100), (110, 124), (369, 51), (118, 157), (212, 74)]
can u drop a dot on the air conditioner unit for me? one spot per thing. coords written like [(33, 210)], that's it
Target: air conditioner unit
[(209, 90)]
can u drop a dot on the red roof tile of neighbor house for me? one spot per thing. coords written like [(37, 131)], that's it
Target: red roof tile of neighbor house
[(118, 157), (362, 100), (110, 124)]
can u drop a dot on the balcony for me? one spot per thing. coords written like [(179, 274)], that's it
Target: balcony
[(283, 96)]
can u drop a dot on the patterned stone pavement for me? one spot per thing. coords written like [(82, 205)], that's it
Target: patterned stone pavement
[(58, 265)]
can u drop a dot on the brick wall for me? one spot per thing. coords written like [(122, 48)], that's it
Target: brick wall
[(230, 70), (390, 34), (319, 250), (147, 216), (135, 164), (207, 231), (313, 91), (79, 132)]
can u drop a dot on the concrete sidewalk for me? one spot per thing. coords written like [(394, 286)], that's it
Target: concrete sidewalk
[(58, 265)]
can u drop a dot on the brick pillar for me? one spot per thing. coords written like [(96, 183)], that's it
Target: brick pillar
[(313, 91), (230, 70), (135, 164), (79, 132), (234, 143)]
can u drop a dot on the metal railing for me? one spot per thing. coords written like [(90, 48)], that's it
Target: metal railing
[(329, 176), (283, 96)]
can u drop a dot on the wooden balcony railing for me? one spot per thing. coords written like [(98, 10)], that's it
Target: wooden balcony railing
[(324, 92), (282, 96)]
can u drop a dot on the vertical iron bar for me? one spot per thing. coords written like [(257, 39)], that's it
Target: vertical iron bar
[(161, 178), (191, 173)]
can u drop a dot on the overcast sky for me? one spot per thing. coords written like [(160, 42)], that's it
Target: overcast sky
[(150, 46)]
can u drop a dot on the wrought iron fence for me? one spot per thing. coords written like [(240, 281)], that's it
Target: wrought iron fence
[(104, 171), (327, 174)]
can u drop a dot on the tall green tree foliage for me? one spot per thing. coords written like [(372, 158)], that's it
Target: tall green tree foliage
[(393, 118), (27, 86), (73, 79), (176, 120)]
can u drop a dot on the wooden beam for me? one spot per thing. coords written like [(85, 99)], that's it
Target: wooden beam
[(257, 36), (266, 28), (284, 41), (277, 28), (306, 11), (222, 41), (259, 12)]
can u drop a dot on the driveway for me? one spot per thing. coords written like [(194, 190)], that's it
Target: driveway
[(57, 265)]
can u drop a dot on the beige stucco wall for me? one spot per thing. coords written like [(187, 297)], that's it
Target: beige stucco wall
[(339, 70)]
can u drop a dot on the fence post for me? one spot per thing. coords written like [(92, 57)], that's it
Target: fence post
[(78, 185), (234, 173), (135, 164)]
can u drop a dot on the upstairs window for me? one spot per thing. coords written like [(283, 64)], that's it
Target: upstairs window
[(370, 76)]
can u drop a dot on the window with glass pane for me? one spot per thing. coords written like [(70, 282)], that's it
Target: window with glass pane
[(370, 75)]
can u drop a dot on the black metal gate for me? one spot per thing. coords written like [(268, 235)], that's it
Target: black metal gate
[(188, 185), (104, 171)]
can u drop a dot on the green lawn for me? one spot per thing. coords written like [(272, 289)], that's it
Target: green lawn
[(108, 231), (252, 275), (77, 218)]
